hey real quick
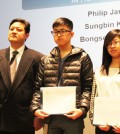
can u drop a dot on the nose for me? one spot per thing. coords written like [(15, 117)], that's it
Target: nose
[(58, 34), (14, 30), (112, 45)]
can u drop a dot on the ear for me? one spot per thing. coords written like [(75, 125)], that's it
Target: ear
[(27, 35), (72, 34)]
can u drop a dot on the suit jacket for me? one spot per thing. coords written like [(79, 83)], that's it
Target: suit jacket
[(15, 98)]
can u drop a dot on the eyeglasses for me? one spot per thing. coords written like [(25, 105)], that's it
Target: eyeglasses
[(115, 43), (61, 32)]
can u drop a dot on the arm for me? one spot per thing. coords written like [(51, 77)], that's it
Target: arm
[(86, 82), (91, 111), (86, 85), (36, 105)]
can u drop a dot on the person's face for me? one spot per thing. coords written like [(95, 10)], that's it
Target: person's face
[(114, 48), (62, 35), (17, 33)]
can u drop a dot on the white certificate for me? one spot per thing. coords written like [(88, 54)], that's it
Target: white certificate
[(106, 111), (58, 100)]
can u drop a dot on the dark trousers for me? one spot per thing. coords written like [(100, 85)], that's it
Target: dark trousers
[(59, 124), (98, 131), (3, 132)]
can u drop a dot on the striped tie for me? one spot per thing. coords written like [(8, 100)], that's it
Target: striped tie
[(13, 65)]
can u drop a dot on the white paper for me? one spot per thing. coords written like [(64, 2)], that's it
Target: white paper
[(106, 111), (59, 100)]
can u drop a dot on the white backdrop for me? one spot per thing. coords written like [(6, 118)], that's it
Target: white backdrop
[(91, 23)]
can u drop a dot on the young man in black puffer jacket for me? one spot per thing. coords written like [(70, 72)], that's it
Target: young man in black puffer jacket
[(66, 65)]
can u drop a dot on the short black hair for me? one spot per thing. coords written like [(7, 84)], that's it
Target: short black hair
[(63, 21), (23, 21)]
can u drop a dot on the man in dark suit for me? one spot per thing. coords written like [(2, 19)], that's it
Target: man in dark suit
[(16, 94)]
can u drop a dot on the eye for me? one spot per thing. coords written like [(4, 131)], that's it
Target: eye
[(116, 42), (11, 29), (19, 30), (62, 31), (56, 32)]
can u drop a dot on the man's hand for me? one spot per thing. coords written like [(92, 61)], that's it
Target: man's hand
[(74, 114), (41, 114)]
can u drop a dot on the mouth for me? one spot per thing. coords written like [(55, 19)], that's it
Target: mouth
[(113, 51), (13, 36)]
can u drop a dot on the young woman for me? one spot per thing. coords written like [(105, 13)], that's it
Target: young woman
[(107, 77)]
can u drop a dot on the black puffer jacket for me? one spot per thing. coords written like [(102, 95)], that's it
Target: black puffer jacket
[(77, 70)]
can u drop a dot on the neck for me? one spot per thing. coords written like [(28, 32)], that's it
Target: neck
[(115, 62), (64, 51), (16, 46), (119, 71)]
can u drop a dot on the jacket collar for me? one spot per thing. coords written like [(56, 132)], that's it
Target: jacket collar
[(75, 50)]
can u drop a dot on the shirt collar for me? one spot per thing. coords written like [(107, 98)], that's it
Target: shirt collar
[(20, 50)]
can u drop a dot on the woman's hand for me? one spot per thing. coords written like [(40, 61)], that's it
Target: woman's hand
[(116, 129), (104, 127)]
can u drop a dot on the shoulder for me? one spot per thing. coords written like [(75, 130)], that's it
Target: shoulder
[(3, 52), (53, 53), (35, 53), (47, 58), (80, 51), (77, 49), (97, 71)]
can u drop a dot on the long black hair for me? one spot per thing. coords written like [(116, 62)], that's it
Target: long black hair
[(107, 58)]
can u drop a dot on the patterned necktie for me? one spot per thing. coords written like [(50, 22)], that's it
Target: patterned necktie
[(13, 65)]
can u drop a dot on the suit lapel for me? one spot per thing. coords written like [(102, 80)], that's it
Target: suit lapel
[(5, 67), (24, 65)]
